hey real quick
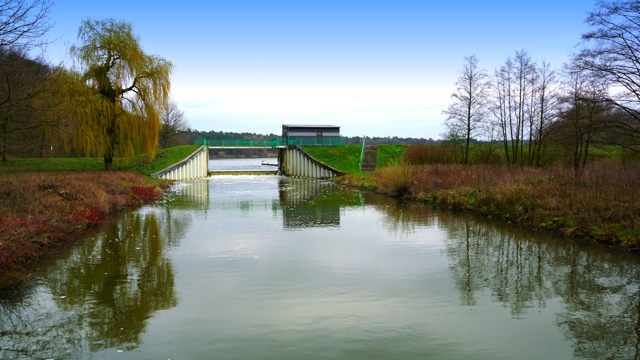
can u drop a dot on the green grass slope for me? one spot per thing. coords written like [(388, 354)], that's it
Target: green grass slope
[(164, 158), (346, 158)]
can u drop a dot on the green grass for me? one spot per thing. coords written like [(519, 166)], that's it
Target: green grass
[(55, 164), (389, 155), (163, 159), (346, 158)]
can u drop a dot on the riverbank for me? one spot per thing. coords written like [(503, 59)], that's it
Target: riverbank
[(41, 211), (603, 204)]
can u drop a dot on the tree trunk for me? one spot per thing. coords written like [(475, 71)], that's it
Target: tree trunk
[(3, 145), (466, 148), (108, 161)]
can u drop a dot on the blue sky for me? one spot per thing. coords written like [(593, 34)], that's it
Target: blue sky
[(376, 68)]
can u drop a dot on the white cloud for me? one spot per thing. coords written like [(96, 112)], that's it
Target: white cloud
[(379, 110)]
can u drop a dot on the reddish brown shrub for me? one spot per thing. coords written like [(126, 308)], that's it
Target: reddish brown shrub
[(38, 211), (430, 154), (145, 193)]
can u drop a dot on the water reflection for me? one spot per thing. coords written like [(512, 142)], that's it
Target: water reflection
[(372, 277), (595, 292), (309, 203), (99, 294), (190, 195)]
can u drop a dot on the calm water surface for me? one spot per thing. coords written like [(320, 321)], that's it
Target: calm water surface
[(268, 267)]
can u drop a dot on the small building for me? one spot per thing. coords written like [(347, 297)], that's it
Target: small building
[(311, 135)]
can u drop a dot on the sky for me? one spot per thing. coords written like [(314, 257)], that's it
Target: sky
[(375, 68)]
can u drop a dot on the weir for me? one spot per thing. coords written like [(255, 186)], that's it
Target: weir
[(293, 161)]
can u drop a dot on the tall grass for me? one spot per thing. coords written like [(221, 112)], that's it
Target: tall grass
[(430, 154), (604, 203), (39, 211)]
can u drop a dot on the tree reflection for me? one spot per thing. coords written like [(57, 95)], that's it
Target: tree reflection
[(488, 257), (100, 295), (402, 216), (599, 289)]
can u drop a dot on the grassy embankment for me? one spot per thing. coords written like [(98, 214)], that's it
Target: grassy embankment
[(141, 164), (603, 203), (347, 158), (45, 203)]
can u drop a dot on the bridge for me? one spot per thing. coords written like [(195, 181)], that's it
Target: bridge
[(277, 143), (292, 159)]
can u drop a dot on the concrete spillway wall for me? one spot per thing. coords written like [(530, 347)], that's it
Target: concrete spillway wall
[(293, 161), (194, 166)]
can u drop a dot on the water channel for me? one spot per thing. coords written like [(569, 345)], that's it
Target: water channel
[(268, 267)]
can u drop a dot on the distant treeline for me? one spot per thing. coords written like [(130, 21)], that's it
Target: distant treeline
[(188, 137)]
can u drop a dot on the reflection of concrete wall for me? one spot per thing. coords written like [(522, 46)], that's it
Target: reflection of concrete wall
[(196, 191), (309, 203)]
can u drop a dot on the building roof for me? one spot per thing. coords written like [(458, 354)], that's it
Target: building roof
[(310, 126)]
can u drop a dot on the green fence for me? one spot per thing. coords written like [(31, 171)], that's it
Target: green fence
[(236, 143), (326, 141)]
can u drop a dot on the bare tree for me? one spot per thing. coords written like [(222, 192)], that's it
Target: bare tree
[(173, 122), (515, 102), (501, 105), (583, 116), (23, 23), (467, 113), (547, 105), (524, 72), (23, 82), (612, 53)]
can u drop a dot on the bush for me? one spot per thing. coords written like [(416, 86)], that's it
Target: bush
[(430, 154), (39, 212), (489, 154), (396, 180)]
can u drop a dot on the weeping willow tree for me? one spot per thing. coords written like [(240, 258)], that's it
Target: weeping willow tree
[(132, 87), (70, 106)]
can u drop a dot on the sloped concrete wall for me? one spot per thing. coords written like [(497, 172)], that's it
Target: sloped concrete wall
[(295, 162), (194, 166)]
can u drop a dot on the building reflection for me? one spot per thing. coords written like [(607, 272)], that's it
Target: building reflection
[(308, 203)]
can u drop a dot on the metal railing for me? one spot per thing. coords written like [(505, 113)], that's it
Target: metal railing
[(312, 141), (235, 143), (273, 143), (362, 153)]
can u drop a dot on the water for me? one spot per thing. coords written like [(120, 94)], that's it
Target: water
[(267, 267), (250, 164)]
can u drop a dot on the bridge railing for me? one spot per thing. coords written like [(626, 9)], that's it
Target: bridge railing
[(235, 143), (312, 141), (325, 141)]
